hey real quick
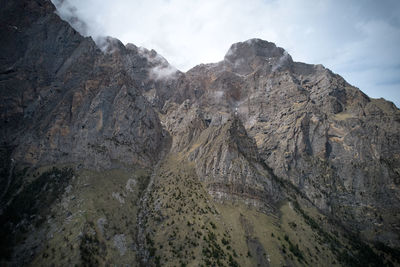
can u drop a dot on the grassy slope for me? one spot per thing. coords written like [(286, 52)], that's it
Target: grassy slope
[(91, 221), (186, 227)]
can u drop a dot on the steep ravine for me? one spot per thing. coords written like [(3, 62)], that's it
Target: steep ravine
[(145, 203)]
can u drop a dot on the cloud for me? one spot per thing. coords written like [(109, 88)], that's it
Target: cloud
[(69, 12), (163, 72), (161, 69), (281, 61), (351, 37)]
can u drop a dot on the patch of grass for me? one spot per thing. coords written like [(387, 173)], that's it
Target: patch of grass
[(394, 253), (33, 201), (91, 249), (357, 254), (343, 116)]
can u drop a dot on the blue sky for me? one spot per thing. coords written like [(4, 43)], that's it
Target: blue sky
[(358, 39)]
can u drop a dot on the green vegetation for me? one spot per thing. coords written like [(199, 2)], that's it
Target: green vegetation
[(192, 234), (183, 226), (32, 202), (356, 253), (92, 251), (39, 195), (394, 253), (295, 250)]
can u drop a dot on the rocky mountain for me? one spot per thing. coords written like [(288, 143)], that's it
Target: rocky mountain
[(111, 156)]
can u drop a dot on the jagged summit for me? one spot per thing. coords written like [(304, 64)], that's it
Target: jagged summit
[(253, 48), (245, 57)]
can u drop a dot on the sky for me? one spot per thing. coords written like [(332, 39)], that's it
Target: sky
[(358, 39)]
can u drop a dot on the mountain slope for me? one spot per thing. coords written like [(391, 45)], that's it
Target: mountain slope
[(112, 156), (336, 145)]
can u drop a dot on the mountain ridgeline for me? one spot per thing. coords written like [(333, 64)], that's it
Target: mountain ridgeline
[(111, 156)]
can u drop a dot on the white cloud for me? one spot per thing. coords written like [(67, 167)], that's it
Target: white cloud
[(281, 61), (350, 37), (163, 72), (162, 69)]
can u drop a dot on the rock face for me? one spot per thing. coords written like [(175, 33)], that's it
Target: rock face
[(64, 100), (256, 129), (336, 145)]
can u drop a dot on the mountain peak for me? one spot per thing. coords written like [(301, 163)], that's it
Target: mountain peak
[(253, 48), (245, 57)]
